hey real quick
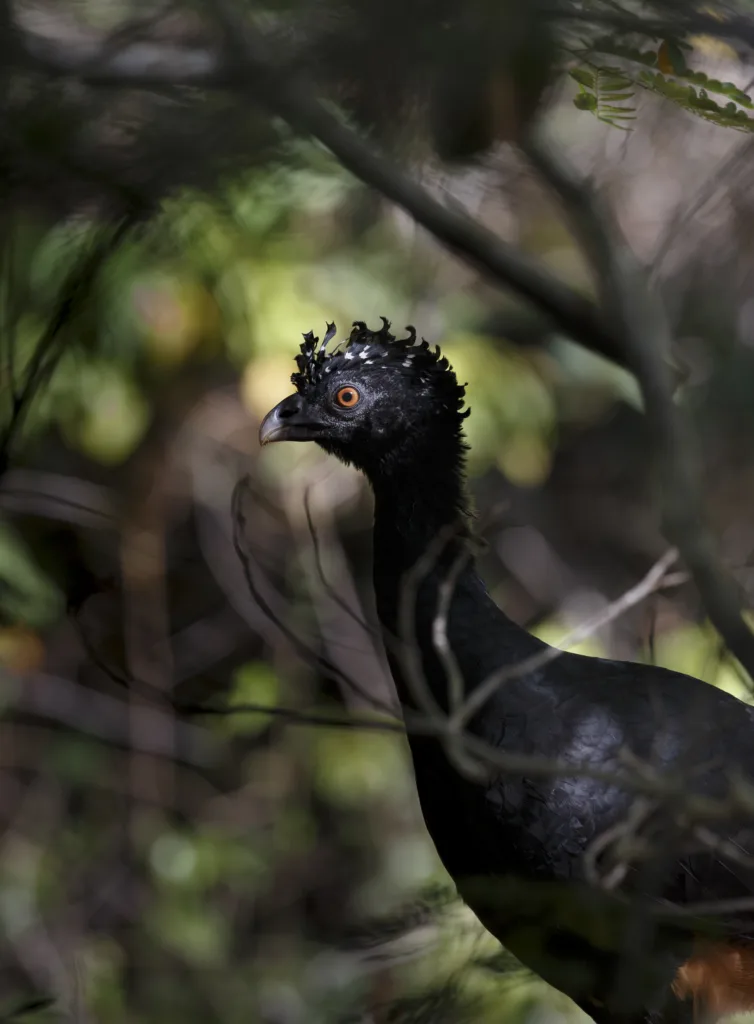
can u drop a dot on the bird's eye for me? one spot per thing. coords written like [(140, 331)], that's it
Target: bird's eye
[(347, 398)]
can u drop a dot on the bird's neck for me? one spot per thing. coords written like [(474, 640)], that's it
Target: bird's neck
[(421, 523), (419, 493)]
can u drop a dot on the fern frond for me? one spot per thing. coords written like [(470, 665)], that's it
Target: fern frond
[(698, 102), (604, 93), (664, 71)]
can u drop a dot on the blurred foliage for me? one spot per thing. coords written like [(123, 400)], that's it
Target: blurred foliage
[(233, 282), (285, 877)]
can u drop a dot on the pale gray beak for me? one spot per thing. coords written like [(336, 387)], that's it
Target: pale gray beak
[(289, 421)]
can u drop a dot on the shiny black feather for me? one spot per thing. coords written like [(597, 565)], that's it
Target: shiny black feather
[(518, 844)]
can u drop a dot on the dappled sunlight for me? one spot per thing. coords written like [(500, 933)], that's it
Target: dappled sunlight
[(208, 802)]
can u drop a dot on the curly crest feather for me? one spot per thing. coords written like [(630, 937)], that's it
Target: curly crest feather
[(381, 348)]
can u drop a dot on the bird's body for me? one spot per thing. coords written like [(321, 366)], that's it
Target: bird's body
[(520, 846)]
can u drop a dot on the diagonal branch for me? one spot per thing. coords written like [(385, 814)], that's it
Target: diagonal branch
[(645, 337), (74, 294), (250, 64)]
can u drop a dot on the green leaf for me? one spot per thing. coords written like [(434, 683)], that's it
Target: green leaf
[(583, 77), (700, 103), (585, 101), (671, 61), (602, 91), (613, 87)]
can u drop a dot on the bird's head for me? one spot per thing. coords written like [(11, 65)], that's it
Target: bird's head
[(371, 400)]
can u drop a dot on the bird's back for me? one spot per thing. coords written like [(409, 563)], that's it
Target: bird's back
[(542, 829)]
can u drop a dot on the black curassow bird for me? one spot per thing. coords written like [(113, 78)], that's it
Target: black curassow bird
[(523, 848)]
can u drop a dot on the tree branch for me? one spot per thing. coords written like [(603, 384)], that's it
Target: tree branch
[(250, 64), (74, 293), (645, 337), (680, 21)]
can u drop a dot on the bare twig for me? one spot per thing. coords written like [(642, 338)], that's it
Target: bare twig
[(440, 639), (429, 719), (736, 161), (654, 580), (712, 908), (303, 649), (329, 589), (293, 716), (723, 847), (106, 718), (347, 638), (471, 768), (470, 753), (55, 496), (410, 655), (624, 837)]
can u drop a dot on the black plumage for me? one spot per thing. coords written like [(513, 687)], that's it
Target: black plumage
[(613, 930)]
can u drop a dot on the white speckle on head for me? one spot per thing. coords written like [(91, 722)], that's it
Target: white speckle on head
[(363, 355), (349, 355), (328, 369), (407, 361), (368, 362)]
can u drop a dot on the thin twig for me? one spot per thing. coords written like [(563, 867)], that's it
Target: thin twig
[(737, 160), (711, 908), (653, 581), (106, 718), (329, 589), (410, 654), (723, 847), (623, 830), (303, 649), (440, 639), (293, 716)]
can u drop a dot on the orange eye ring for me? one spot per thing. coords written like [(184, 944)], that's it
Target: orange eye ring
[(348, 397)]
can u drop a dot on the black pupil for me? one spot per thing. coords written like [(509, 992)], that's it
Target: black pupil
[(347, 396)]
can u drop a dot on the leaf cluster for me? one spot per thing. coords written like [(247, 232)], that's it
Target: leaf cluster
[(608, 90)]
